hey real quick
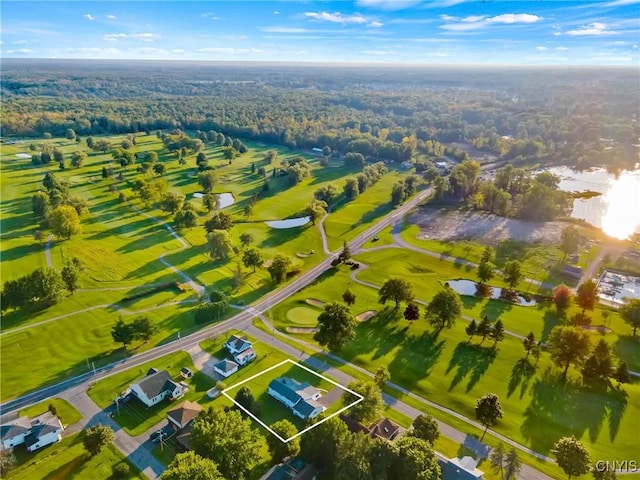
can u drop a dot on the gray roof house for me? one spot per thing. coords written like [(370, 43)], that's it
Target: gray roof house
[(225, 368), (301, 398), (155, 387), (237, 344), (43, 430)]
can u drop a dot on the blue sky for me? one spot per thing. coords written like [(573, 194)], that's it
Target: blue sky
[(395, 31)]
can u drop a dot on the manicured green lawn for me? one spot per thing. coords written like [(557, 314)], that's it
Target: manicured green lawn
[(134, 417), (449, 371), (303, 315), (66, 412), (68, 460)]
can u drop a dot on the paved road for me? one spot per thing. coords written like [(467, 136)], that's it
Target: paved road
[(236, 322)]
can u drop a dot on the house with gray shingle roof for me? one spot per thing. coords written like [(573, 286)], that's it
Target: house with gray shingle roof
[(237, 344), (301, 398), (43, 430), (155, 387)]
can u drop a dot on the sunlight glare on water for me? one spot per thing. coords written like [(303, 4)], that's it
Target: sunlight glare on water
[(622, 199)]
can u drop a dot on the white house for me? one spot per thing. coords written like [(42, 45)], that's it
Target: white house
[(43, 430), (301, 398), (13, 433), (237, 344), (157, 386), (226, 368), (245, 357)]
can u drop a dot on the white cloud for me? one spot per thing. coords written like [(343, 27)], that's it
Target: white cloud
[(336, 17), (144, 37), (542, 49), (23, 51), (388, 4), (377, 53), (88, 16), (228, 50), (595, 28), (562, 49), (178, 51), (619, 3), (111, 17), (279, 29), (20, 42), (375, 24), (276, 12), (476, 22), (114, 37), (210, 15)]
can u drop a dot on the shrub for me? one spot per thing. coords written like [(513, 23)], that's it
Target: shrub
[(121, 470)]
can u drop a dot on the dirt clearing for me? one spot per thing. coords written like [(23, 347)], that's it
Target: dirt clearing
[(438, 223)]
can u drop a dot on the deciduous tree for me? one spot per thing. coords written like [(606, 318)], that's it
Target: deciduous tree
[(316, 210), (279, 268), (252, 257), (278, 448), (512, 271), (143, 328), (207, 180), (371, 406), (171, 202), (572, 456), (122, 333), (64, 222), (426, 428), (351, 189), (562, 298), (488, 411), (70, 277), (96, 438), (382, 376), (336, 326), (77, 159), (630, 313), (443, 309), (349, 297), (570, 240), (416, 460), (586, 295), (412, 312), (191, 466), (228, 439), (247, 239), (529, 342), (220, 245), (219, 221), (568, 345), (396, 289)]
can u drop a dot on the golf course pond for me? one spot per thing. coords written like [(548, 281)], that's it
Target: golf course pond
[(289, 222), (468, 287)]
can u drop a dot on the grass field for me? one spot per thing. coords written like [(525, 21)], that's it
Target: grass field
[(446, 369), (68, 460), (66, 412), (120, 248)]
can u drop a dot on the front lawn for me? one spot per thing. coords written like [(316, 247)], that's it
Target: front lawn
[(68, 460), (135, 417), (66, 412)]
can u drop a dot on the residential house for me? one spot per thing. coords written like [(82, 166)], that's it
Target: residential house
[(13, 433), (245, 356), (459, 468), (157, 386), (301, 398), (384, 428), (181, 416), (293, 469), (43, 430), (381, 428), (237, 344), (225, 368)]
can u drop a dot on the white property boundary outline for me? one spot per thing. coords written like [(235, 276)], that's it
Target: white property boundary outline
[(270, 430)]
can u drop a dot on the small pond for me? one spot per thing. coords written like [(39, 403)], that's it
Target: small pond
[(467, 287), (224, 199), (289, 222)]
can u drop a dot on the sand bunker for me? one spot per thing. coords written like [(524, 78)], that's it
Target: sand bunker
[(315, 303), (364, 316), (302, 329), (302, 255)]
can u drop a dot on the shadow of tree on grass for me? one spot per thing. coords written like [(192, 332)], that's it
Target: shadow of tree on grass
[(471, 360), (521, 375)]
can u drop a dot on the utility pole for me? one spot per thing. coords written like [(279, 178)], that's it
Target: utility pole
[(117, 404)]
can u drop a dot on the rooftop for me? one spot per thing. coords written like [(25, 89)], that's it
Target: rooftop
[(155, 383), (185, 412)]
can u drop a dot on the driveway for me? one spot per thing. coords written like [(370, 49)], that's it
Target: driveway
[(204, 361)]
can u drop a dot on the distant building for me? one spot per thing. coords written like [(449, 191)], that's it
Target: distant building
[(245, 357), (381, 428), (459, 468), (293, 469), (571, 271), (301, 398)]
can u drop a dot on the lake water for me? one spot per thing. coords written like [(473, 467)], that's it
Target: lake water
[(467, 287), (289, 222), (617, 210)]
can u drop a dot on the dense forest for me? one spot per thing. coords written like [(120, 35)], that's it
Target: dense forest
[(577, 116)]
